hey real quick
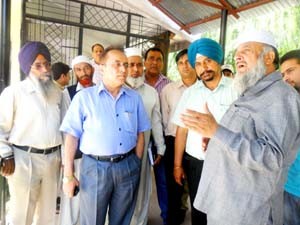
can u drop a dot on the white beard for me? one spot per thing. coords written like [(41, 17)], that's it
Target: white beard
[(242, 82), (135, 83)]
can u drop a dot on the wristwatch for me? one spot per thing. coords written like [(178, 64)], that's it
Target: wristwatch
[(67, 179)]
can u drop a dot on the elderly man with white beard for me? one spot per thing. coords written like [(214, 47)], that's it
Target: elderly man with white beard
[(30, 139), (253, 145), (135, 80)]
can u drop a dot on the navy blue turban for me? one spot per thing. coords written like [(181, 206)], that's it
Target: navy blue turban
[(29, 52), (205, 47)]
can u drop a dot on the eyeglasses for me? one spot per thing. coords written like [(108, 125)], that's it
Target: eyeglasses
[(118, 65), (130, 65), (39, 66)]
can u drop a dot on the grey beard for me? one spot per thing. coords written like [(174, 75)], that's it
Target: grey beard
[(242, 82), (135, 82), (45, 85)]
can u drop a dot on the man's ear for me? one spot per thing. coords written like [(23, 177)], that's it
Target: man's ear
[(269, 58)]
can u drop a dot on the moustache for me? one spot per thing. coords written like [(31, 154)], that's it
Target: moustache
[(206, 71)]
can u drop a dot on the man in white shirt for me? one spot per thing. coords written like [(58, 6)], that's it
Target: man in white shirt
[(213, 91), (30, 117), (150, 99), (97, 50), (169, 97)]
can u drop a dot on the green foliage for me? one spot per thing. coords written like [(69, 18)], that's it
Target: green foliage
[(173, 73)]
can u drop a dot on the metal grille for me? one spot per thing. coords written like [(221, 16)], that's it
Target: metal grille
[(105, 18), (91, 16), (143, 44), (62, 40), (141, 25)]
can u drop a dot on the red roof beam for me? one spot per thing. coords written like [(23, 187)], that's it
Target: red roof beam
[(218, 15), (210, 4), (229, 8)]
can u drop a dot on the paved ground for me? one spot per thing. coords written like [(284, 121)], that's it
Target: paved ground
[(154, 211)]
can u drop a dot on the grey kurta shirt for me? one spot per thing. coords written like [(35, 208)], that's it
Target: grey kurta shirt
[(247, 159)]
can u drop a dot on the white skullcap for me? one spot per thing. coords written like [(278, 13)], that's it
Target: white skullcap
[(260, 36), (227, 67), (133, 52), (81, 59)]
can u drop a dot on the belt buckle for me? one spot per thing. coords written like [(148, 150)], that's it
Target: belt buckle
[(117, 158), (29, 149)]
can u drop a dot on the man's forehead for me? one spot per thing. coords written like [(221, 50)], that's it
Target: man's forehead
[(183, 57), (288, 64), (40, 59), (155, 53), (115, 55)]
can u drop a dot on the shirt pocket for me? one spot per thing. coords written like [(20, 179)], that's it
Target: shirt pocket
[(129, 122)]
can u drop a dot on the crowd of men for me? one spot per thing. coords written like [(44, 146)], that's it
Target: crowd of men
[(230, 141)]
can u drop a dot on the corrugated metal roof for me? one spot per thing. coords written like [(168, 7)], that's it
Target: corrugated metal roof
[(190, 18), (207, 13)]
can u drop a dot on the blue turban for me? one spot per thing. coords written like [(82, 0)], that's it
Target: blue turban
[(29, 52), (205, 47)]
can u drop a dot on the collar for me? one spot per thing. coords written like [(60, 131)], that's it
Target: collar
[(58, 85), (178, 84), (123, 90)]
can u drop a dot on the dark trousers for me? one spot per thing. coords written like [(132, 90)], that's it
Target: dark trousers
[(193, 169), (175, 215)]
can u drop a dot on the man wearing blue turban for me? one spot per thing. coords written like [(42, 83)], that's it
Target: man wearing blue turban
[(212, 93)]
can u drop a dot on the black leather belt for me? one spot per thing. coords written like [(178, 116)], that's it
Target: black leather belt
[(37, 150), (112, 158)]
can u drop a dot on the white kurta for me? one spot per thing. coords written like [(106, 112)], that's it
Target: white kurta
[(152, 105)]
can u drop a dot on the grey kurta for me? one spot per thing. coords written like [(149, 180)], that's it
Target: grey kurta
[(247, 159)]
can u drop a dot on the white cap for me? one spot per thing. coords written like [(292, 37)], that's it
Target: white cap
[(227, 67), (133, 52), (81, 59), (260, 36)]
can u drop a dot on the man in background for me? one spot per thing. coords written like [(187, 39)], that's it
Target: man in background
[(290, 70), (150, 99), (154, 62), (97, 50), (61, 74), (227, 70), (170, 96), (83, 71)]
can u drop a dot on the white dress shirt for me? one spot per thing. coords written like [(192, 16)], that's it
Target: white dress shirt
[(195, 97), (97, 76), (169, 98), (28, 118)]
